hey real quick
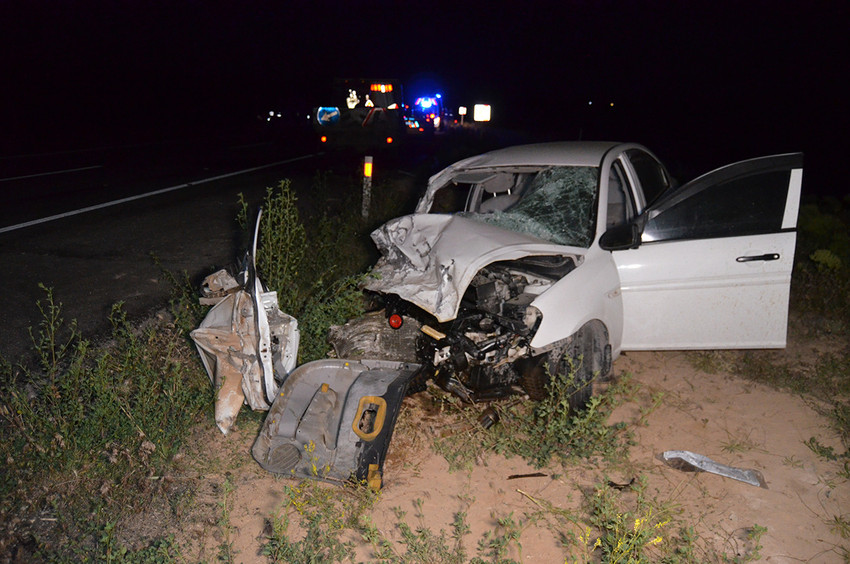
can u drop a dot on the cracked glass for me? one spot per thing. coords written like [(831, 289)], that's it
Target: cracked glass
[(559, 206)]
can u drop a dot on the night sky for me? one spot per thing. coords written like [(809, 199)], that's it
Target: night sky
[(702, 83)]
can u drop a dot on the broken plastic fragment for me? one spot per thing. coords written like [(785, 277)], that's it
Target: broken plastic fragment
[(217, 286), (688, 461)]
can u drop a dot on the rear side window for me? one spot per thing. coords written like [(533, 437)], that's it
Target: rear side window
[(749, 205), (650, 174)]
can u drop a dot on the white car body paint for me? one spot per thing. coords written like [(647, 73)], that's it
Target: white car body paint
[(695, 295), (683, 292), (594, 285)]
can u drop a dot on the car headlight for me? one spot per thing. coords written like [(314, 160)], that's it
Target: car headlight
[(532, 318)]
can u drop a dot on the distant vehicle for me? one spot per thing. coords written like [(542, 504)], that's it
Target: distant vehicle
[(565, 254), (364, 114), (426, 115)]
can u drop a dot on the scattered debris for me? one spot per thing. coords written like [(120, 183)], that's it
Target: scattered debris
[(333, 420), (691, 462), (532, 475), (620, 486), (217, 286), (488, 418), (246, 343)]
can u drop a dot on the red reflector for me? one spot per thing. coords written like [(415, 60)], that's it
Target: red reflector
[(395, 321)]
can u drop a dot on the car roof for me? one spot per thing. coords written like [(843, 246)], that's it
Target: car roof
[(566, 153)]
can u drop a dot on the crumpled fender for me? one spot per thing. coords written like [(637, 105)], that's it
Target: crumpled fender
[(430, 259)]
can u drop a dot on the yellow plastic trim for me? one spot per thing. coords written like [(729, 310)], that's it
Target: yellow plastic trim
[(365, 401), (433, 333), (373, 477)]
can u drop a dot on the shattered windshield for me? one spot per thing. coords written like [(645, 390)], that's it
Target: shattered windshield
[(558, 205)]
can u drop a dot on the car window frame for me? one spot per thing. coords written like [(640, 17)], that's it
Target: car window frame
[(740, 171)]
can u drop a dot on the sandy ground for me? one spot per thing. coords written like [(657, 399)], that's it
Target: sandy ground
[(730, 420)]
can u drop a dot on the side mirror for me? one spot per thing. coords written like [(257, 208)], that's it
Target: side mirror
[(621, 237)]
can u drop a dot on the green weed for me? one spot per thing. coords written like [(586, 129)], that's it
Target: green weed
[(423, 545), (314, 289), (739, 443), (112, 551), (627, 535), (540, 432), (324, 515), (225, 550), (83, 429)]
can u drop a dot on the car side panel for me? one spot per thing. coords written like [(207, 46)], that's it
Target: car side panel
[(700, 294)]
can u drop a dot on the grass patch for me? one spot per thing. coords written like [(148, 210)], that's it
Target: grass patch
[(322, 523), (324, 514), (538, 432), (85, 428), (317, 270)]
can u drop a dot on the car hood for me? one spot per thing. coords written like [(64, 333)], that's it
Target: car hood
[(430, 259)]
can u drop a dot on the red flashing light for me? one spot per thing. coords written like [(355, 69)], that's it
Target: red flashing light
[(395, 321), (389, 140), (323, 139)]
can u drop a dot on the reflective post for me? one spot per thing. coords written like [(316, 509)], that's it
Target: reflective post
[(367, 186)]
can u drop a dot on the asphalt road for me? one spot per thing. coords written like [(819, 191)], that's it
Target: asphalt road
[(105, 254), (94, 259)]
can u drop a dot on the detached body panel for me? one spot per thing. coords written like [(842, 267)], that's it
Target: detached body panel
[(333, 420)]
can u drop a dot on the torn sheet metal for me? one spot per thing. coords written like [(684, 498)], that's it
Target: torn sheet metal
[(246, 343), (226, 340), (692, 462), (217, 286), (430, 259), (333, 420)]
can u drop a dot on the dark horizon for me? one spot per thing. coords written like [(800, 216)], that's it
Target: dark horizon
[(705, 84)]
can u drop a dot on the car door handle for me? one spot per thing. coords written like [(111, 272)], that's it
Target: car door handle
[(768, 256)]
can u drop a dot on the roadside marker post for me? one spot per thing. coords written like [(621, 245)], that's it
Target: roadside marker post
[(367, 186)]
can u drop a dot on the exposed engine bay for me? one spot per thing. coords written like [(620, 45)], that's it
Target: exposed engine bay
[(484, 352)]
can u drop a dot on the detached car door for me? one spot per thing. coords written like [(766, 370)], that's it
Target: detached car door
[(713, 267)]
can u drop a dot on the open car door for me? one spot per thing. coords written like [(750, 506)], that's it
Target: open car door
[(713, 268)]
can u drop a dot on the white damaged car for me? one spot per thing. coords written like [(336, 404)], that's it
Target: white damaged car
[(554, 257)]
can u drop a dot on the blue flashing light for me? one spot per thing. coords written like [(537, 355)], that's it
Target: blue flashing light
[(425, 103)]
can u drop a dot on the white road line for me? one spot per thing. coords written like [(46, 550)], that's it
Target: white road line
[(50, 173), (146, 195)]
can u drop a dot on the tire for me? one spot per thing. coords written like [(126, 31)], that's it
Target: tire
[(586, 354)]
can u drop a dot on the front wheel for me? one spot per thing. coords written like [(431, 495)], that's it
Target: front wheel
[(580, 361)]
